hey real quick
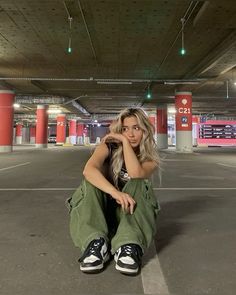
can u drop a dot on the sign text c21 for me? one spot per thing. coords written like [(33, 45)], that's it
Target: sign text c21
[(184, 110)]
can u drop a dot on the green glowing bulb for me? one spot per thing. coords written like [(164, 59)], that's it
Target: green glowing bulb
[(69, 49), (149, 95), (182, 51)]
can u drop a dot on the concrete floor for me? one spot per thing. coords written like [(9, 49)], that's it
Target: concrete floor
[(196, 234)]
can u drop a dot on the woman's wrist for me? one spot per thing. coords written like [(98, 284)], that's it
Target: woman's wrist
[(125, 140), (113, 192)]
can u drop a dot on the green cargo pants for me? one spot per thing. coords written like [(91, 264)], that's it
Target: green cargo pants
[(95, 214)]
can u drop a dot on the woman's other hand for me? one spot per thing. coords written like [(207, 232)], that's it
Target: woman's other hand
[(126, 202)]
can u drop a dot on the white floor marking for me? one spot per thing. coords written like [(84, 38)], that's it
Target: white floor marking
[(177, 160), (11, 167), (203, 177), (226, 165), (155, 188), (152, 277), (192, 188), (39, 189)]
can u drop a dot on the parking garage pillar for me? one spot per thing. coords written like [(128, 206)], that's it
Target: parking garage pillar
[(42, 127), (80, 130), (61, 129), (6, 120), (72, 131), (183, 118), (32, 134), (152, 119), (19, 133), (162, 136)]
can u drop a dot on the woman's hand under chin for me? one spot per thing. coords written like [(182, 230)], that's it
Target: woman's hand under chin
[(114, 137)]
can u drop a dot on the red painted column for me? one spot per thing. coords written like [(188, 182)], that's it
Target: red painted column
[(162, 130), (183, 119), (80, 135), (32, 134), (61, 129), (42, 127), (19, 133), (72, 131), (6, 120), (152, 119)]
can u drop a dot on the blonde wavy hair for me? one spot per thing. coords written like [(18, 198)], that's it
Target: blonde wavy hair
[(147, 149)]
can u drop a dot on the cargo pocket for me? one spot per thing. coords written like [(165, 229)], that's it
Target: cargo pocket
[(75, 199), (151, 198)]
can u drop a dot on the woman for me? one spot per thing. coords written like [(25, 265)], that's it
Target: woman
[(114, 209)]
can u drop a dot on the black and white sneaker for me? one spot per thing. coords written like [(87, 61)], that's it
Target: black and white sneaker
[(128, 259), (95, 256)]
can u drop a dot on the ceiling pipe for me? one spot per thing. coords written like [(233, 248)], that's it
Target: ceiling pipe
[(186, 17), (116, 81), (30, 99), (87, 30), (51, 116), (35, 99), (200, 12), (80, 108)]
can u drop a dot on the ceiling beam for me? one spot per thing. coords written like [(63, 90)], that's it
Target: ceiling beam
[(214, 57)]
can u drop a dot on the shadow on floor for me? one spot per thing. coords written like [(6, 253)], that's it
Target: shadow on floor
[(173, 218)]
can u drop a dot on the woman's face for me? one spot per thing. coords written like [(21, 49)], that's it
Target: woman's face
[(132, 131)]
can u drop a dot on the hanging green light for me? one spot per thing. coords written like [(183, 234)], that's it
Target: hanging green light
[(69, 48), (182, 50), (149, 93)]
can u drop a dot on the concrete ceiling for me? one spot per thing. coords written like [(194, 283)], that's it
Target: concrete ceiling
[(120, 48)]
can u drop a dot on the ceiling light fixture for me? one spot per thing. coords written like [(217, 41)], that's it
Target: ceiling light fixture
[(181, 82), (182, 50), (227, 89), (149, 92), (100, 98), (69, 48), (115, 82), (54, 111)]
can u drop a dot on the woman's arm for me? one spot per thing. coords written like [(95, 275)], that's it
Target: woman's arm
[(134, 168), (93, 172)]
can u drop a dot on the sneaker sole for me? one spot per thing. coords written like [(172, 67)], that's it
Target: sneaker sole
[(127, 271), (97, 268)]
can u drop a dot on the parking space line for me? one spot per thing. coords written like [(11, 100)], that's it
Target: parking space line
[(226, 165), (155, 188), (152, 277), (192, 188), (11, 167), (39, 189), (178, 160)]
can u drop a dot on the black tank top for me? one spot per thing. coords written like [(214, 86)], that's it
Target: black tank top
[(123, 176)]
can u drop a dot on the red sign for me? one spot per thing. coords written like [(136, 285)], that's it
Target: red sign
[(61, 128), (183, 106)]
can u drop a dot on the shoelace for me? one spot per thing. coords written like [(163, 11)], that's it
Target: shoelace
[(92, 249), (128, 250), (96, 245)]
